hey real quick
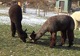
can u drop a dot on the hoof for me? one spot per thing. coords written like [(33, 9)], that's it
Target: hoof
[(60, 45), (52, 46), (13, 35), (70, 46), (24, 40)]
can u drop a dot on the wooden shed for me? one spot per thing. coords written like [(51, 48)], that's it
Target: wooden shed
[(66, 5), (63, 5)]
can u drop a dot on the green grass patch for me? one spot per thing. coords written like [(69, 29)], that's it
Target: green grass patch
[(10, 46)]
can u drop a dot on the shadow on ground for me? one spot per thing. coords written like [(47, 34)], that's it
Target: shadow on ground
[(45, 42)]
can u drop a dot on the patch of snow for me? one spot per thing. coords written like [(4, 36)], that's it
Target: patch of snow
[(26, 20), (29, 18), (32, 20), (33, 11), (4, 10), (4, 20)]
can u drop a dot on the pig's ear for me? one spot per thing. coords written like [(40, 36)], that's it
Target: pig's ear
[(33, 32), (25, 30), (33, 35)]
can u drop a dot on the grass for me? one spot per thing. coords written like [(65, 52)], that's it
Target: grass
[(10, 46)]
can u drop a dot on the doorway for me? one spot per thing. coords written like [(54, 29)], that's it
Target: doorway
[(61, 5)]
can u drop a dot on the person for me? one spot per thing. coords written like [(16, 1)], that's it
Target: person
[(24, 7)]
